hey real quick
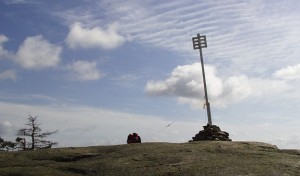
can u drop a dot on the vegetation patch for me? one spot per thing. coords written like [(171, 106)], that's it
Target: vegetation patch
[(72, 158)]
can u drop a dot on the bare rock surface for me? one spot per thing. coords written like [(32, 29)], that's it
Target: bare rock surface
[(226, 158)]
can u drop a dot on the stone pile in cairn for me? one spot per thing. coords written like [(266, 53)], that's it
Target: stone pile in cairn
[(211, 132)]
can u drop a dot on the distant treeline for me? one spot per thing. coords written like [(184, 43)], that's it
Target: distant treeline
[(29, 138)]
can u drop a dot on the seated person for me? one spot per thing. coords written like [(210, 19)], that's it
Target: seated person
[(133, 138)]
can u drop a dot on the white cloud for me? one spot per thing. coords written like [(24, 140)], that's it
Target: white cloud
[(8, 74), (85, 70), (80, 37), (37, 53), (185, 83), (288, 73), (3, 53), (5, 127), (3, 39)]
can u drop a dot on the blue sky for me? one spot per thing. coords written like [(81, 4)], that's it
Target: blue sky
[(99, 70)]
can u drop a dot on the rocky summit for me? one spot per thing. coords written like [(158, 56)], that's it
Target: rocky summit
[(213, 158)]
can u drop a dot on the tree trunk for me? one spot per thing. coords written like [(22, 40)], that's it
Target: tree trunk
[(32, 140)]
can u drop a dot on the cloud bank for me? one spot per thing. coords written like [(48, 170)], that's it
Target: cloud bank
[(185, 82), (99, 127), (5, 127), (108, 127)]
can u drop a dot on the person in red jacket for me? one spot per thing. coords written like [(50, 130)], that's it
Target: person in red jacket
[(137, 138), (130, 139), (133, 138)]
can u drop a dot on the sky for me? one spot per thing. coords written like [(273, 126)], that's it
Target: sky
[(97, 70)]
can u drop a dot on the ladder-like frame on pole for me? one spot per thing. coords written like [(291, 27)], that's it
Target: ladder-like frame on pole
[(199, 42)]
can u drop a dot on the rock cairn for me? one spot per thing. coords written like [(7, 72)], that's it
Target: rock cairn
[(211, 132)]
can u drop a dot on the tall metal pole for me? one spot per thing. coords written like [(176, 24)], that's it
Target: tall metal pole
[(199, 42)]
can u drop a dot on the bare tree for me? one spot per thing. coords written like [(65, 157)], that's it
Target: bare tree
[(36, 135), (21, 144)]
